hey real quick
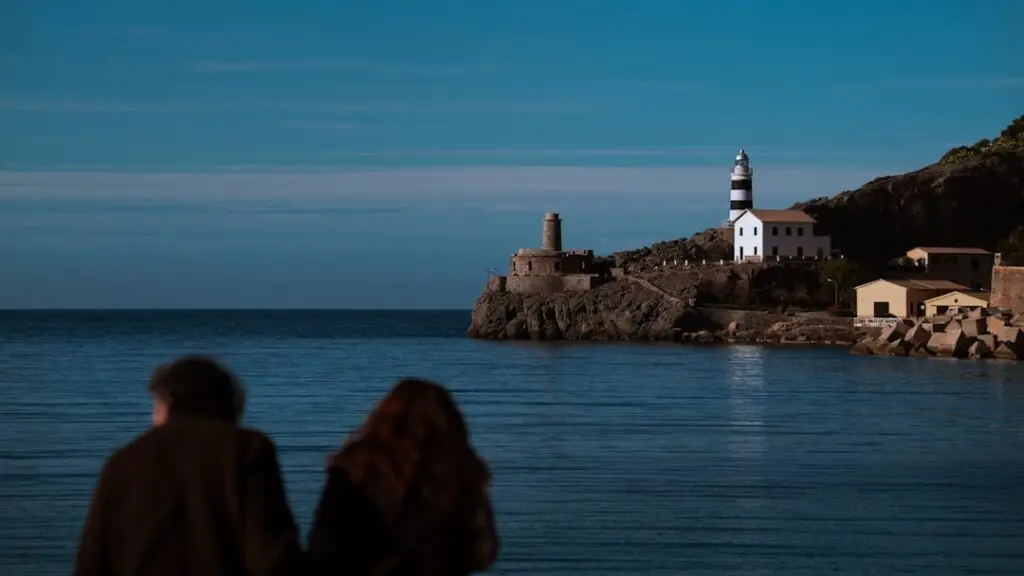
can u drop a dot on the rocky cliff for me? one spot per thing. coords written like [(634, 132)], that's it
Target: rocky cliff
[(675, 304), (977, 202)]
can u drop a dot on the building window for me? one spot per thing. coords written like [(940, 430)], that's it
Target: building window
[(775, 250), (741, 252), (755, 230), (975, 265), (789, 231), (799, 251), (799, 230), (741, 230), (775, 230), (755, 250), (529, 265)]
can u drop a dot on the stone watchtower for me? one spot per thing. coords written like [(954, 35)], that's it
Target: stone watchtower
[(552, 238)]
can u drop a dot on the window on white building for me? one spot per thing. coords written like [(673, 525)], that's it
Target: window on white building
[(755, 230), (789, 231), (741, 231), (799, 230), (775, 230)]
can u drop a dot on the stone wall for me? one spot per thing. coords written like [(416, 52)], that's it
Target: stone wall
[(1008, 288), (534, 284), (496, 284)]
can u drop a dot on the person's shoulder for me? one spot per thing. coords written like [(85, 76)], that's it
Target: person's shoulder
[(256, 443), (126, 458)]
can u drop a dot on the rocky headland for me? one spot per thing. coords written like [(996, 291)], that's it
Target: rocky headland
[(678, 291)]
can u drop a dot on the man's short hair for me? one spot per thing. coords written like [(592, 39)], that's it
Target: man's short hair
[(199, 386)]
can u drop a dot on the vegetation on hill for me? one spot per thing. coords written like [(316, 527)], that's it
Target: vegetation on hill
[(1012, 248), (1012, 138)]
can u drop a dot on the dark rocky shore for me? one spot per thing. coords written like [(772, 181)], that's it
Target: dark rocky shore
[(625, 310)]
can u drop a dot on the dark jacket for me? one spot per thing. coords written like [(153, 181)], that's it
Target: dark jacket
[(195, 496), (350, 537)]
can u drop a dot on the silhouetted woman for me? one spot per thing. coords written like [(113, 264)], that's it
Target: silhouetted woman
[(407, 494)]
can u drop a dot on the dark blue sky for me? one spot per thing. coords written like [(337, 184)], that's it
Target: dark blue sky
[(386, 154)]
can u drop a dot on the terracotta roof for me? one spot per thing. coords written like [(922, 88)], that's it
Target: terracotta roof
[(924, 284), (950, 250), (782, 216), (984, 296)]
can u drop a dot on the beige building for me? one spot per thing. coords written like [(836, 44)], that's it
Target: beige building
[(953, 300), (900, 298), (971, 267)]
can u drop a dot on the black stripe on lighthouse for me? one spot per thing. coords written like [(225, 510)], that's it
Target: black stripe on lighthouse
[(742, 185), (741, 204)]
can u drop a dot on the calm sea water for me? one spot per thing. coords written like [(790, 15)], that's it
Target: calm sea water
[(608, 459)]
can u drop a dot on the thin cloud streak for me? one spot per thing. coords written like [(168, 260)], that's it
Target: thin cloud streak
[(214, 66), (457, 107), (532, 185), (411, 108), (279, 66), (327, 126), (85, 107), (552, 153), (993, 83)]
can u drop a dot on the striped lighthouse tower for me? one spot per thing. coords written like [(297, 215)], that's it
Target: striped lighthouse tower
[(741, 197)]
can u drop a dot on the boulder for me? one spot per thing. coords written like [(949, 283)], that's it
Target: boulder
[(989, 341), (1011, 336), (918, 335), (979, 350), (922, 352), (894, 333), (925, 325), (899, 348), (974, 327), (1007, 352), (993, 324), (949, 344), (733, 327), (938, 325), (705, 337), (863, 347), (954, 326)]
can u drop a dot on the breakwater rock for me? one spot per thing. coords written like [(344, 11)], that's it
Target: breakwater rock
[(980, 333)]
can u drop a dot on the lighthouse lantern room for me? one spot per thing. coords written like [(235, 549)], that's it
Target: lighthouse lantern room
[(741, 197)]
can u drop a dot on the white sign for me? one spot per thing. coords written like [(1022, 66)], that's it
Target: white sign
[(874, 322)]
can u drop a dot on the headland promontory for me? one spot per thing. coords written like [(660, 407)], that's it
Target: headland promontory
[(786, 275)]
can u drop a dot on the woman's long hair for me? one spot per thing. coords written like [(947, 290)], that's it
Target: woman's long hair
[(412, 458)]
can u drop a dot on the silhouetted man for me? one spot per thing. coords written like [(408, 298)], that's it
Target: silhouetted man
[(197, 494)]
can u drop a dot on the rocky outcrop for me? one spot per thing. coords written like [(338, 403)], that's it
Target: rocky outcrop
[(713, 244), (639, 310), (980, 333), (615, 311)]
